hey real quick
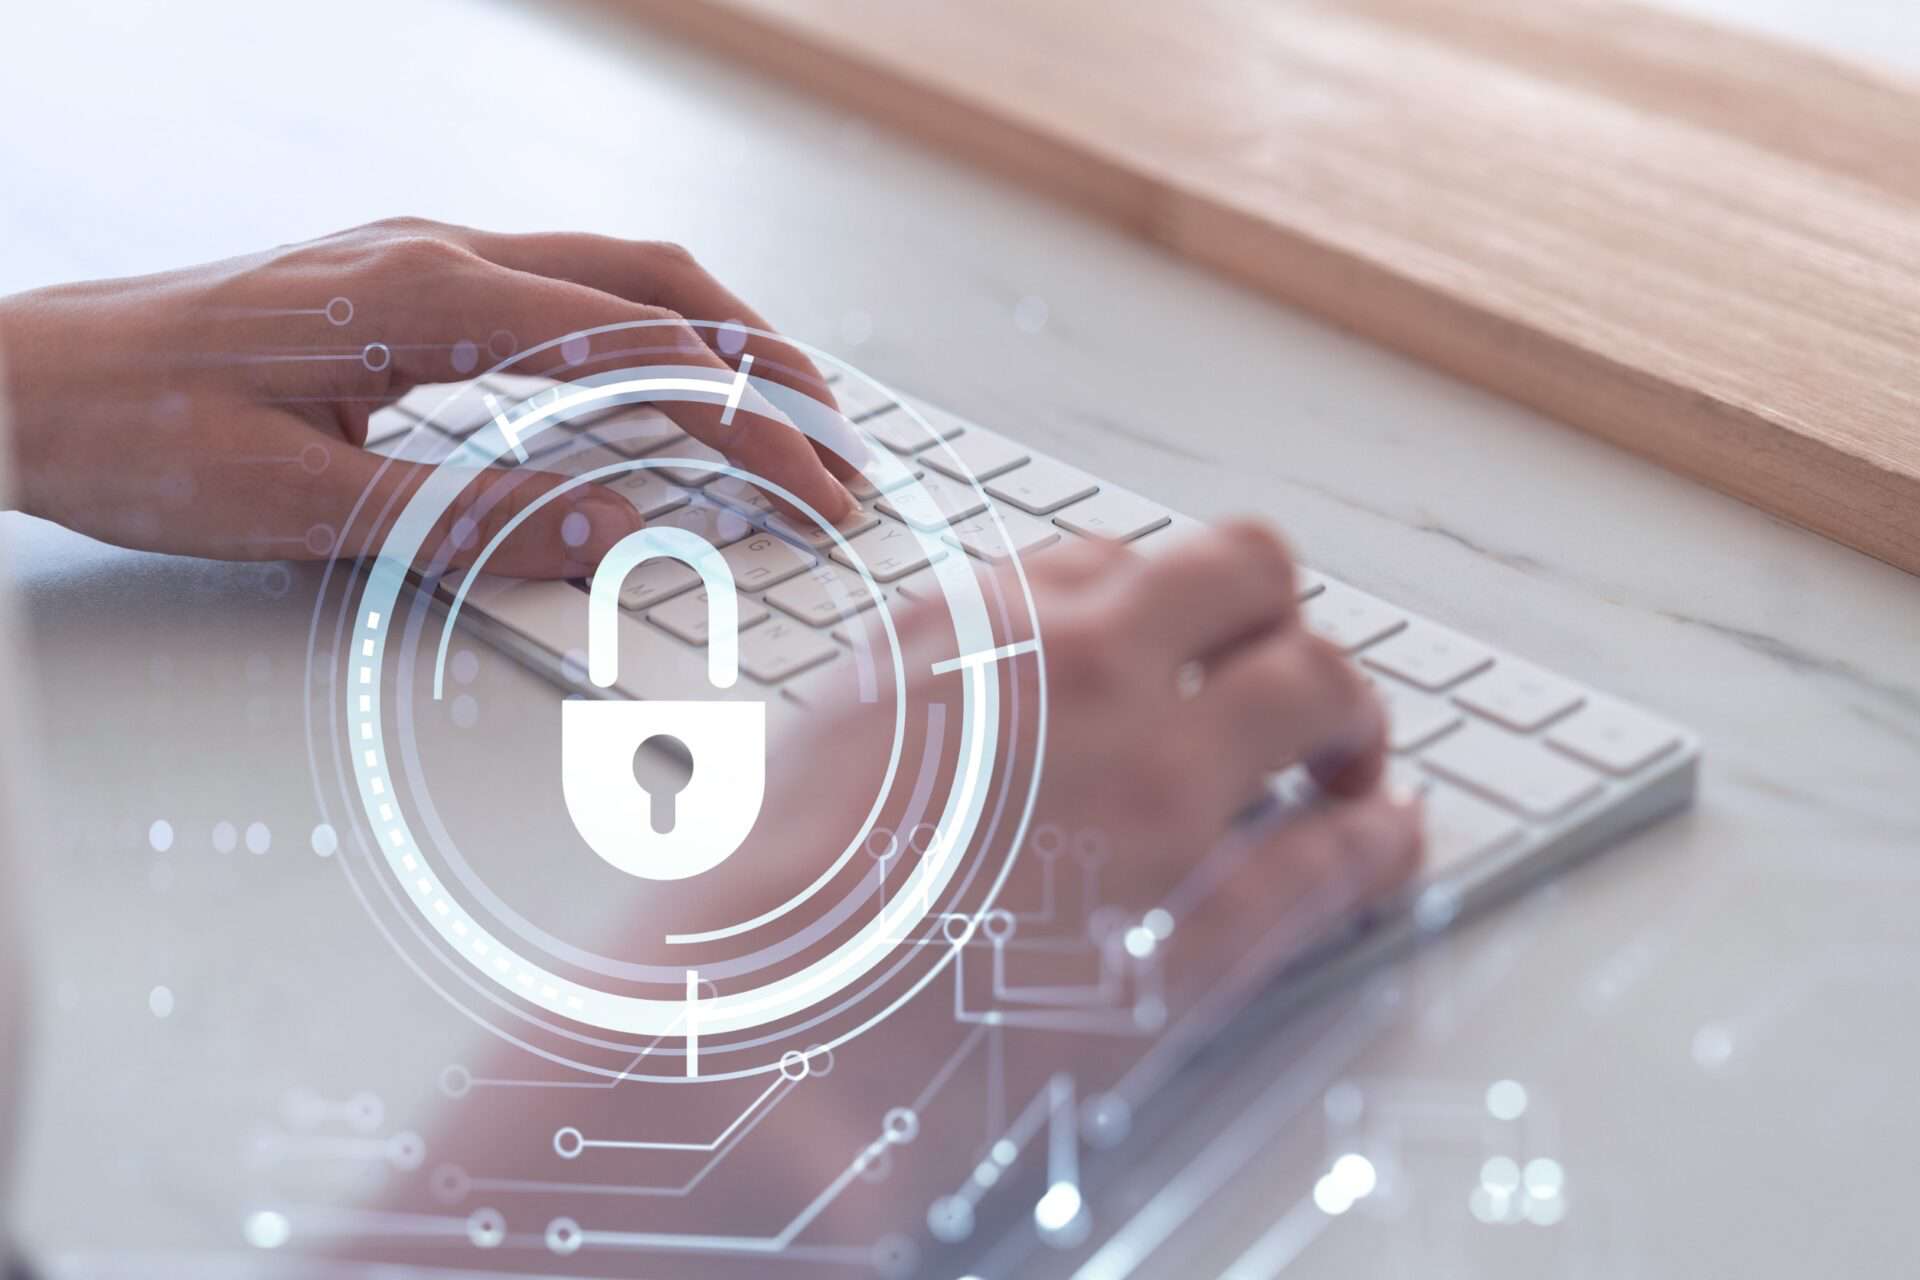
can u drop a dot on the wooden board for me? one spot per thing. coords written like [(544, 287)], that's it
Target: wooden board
[(1701, 245)]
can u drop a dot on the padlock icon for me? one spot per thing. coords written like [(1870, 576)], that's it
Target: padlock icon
[(710, 818)]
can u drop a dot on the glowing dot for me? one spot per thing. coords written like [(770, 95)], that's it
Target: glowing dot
[(1139, 942), (1544, 1213), (466, 711), (325, 841), (160, 835), (1543, 1178), (576, 349), (259, 839), (1030, 314), (1354, 1175), (1500, 1175), (1506, 1100), (160, 1001), (1712, 1047), (1480, 1204), (225, 837), (465, 356), (574, 528), (1005, 1152), (1159, 922), (267, 1229), (465, 666), (1328, 1197), (1056, 1210)]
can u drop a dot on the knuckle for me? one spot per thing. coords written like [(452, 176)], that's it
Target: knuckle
[(420, 255), (670, 254), (405, 224)]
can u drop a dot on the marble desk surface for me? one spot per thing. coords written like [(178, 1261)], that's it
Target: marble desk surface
[(1718, 1015)]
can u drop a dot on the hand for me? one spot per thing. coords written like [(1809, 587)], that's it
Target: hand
[(1177, 686), (187, 412)]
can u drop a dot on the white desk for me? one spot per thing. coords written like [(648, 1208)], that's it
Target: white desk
[(1715, 1021)]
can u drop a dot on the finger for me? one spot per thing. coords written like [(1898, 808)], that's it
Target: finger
[(1332, 859), (665, 275), (451, 292), (1286, 879), (561, 536), (1290, 699), (1216, 590)]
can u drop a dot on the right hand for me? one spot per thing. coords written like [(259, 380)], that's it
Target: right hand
[(1177, 686), (1163, 766)]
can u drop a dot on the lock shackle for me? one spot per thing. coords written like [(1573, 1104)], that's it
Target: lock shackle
[(692, 550)]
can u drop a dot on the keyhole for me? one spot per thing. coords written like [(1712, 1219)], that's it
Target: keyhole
[(663, 777)]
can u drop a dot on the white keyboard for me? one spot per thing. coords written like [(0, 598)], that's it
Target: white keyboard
[(1521, 768)]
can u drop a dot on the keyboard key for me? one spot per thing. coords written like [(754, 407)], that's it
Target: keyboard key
[(1043, 486), (995, 537), (1518, 696), (1171, 534), (924, 585), (1516, 772), (551, 438), (685, 616), (840, 683), (1429, 656), (860, 399), (649, 492), (388, 423), (655, 581), (457, 410), (523, 393), (1612, 737), (890, 551), (763, 560), (975, 456), (934, 503), (1350, 619), (715, 523), (1407, 775), (1413, 718), (877, 479), (823, 595), (1459, 827), (583, 455), (748, 499), (901, 432), (636, 430), (818, 538), (692, 476), (778, 649), (1113, 514)]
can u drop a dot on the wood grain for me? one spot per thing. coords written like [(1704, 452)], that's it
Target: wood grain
[(1701, 245)]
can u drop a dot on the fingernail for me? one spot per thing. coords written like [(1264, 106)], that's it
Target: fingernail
[(596, 522)]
